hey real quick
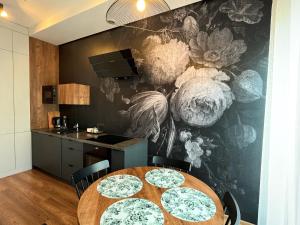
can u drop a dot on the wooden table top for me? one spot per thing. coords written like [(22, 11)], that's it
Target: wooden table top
[(92, 204)]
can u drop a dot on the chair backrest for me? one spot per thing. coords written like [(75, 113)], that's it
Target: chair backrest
[(171, 163), (232, 209), (83, 178)]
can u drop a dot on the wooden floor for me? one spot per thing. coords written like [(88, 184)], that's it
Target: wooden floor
[(34, 198)]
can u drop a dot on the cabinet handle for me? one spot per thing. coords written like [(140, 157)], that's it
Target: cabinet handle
[(96, 148), (71, 148), (70, 165)]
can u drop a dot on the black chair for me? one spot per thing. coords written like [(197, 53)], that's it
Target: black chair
[(232, 209), (171, 163), (83, 178)]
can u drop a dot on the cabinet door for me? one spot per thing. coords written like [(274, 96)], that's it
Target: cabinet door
[(21, 93), (37, 146), (72, 158), (20, 43), (23, 150), (7, 153), (73, 94), (6, 93), (46, 153), (5, 39)]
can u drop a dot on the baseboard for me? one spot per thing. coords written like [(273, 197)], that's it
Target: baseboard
[(13, 172)]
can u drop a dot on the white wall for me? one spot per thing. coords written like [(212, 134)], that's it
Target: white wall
[(280, 162), (15, 135)]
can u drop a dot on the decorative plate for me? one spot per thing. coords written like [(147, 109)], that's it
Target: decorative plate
[(120, 186), (188, 204), (132, 211), (164, 178)]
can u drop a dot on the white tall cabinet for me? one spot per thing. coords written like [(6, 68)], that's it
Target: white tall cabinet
[(15, 135)]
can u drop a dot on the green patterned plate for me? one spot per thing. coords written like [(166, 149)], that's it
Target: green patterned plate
[(188, 204), (164, 178), (120, 186), (132, 211)]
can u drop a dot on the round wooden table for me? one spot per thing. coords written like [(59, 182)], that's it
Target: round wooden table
[(92, 204)]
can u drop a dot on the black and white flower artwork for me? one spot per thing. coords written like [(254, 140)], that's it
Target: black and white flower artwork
[(200, 95)]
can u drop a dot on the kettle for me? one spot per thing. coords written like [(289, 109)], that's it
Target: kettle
[(56, 122)]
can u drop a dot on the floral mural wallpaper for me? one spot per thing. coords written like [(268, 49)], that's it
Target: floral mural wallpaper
[(200, 95)]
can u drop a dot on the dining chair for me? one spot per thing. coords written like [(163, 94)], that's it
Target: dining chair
[(171, 163), (83, 178), (231, 208)]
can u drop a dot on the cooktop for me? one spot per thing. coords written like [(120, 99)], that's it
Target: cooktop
[(110, 139)]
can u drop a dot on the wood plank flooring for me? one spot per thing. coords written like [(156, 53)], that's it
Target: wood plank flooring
[(35, 198)]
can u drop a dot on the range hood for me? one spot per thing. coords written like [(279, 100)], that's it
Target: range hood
[(119, 64)]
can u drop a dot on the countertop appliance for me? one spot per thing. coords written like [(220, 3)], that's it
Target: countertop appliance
[(60, 123), (49, 94), (56, 121), (118, 65)]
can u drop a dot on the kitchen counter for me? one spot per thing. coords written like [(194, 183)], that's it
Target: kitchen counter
[(63, 154), (84, 136)]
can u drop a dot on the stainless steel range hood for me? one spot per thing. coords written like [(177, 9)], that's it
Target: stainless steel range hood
[(119, 64)]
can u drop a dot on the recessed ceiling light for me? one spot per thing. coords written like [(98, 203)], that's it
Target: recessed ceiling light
[(3, 13)]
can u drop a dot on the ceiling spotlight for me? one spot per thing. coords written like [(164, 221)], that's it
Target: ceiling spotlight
[(3, 13)]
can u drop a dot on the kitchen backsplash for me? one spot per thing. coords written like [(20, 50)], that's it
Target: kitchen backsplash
[(201, 92)]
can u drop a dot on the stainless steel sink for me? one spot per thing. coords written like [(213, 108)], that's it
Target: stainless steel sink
[(62, 132)]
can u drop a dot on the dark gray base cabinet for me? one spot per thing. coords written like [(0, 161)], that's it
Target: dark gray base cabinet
[(46, 153), (62, 157), (133, 156), (57, 156)]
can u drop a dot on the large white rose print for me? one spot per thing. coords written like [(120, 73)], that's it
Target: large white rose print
[(201, 97)]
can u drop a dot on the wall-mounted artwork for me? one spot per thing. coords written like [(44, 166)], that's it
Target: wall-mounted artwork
[(200, 95)]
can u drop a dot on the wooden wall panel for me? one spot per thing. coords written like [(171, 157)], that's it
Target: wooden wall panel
[(44, 70)]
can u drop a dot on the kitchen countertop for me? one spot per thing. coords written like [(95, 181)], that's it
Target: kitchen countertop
[(84, 136)]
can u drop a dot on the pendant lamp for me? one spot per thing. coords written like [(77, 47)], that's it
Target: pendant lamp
[(122, 12), (3, 13)]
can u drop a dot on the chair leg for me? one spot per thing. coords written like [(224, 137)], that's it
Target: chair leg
[(227, 221)]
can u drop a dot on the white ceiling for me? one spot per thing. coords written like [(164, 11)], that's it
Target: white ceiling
[(62, 21), (29, 13)]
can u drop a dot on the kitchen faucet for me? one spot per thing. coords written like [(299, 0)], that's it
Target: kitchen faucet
[(76, 127)]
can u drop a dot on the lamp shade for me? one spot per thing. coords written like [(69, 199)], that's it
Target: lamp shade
[(3, 13), (122, 12)]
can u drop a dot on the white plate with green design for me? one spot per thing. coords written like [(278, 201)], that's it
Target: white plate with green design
[(164, 178), (188, 204), (120, 186), (132, 211)]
